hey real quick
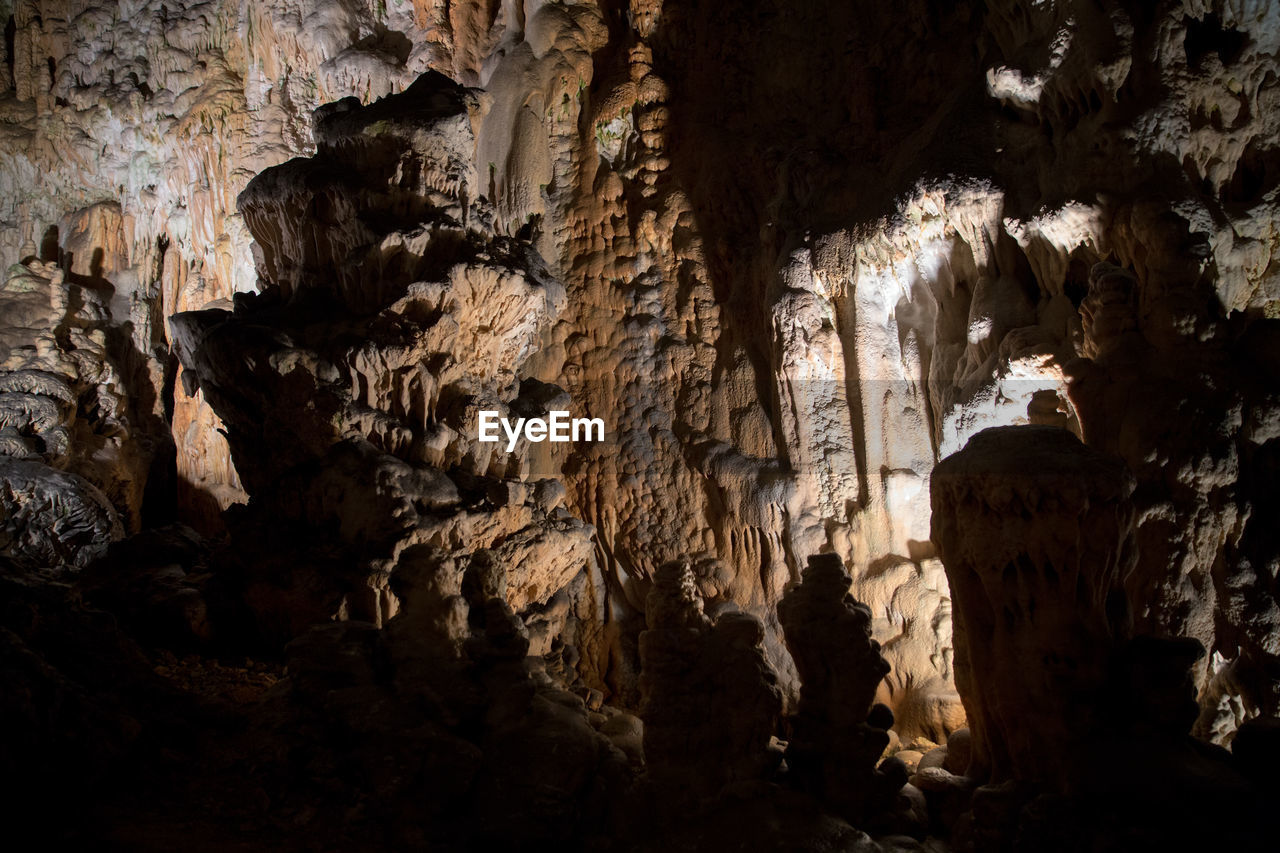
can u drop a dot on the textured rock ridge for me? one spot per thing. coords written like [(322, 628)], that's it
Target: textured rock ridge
[(786, 308), (75, 445), (1201, 531)]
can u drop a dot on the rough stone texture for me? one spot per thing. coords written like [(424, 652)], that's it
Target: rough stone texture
[(75, 407), (269, 258), (1201, 533), (392, 312), (788, 296), (710, 700), (837, 737), (1037, 532)]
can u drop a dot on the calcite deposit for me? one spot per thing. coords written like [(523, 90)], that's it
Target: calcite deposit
[(711, 702), (1037, 532), (74, 472), (350, 388), (267, 261), (838, 736)]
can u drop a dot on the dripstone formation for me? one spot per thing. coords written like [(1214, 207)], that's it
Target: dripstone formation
[(1037, 533), (267, 262), (392, 312), (838, 737), (711, 701)]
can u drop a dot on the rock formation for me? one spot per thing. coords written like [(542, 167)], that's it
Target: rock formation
[(73, 471), (392, 312), (711, 701), (268, 260), (1037, 532), (786, 341), (838, 736)]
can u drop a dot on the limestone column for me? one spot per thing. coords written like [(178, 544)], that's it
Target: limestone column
[(1036, 531)]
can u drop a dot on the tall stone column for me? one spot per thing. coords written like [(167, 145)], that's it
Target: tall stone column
[(1036, 531)]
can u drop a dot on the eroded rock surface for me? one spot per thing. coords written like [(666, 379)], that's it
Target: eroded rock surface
[(1038, 535), (793, 253), (1036, 531), (77, 423), (392, 313), (838, 736), (711, 701)]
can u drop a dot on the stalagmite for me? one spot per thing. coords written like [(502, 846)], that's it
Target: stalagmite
[(1036, 533)]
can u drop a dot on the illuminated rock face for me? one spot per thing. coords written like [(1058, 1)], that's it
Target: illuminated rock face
[(72, 467), (802, 255), (350, 388)]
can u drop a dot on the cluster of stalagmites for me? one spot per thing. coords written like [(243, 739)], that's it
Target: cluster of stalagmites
[(711, 701), (430, 591), (349, 391), (450, 636), (837, 735), (712, 705), (448, 718)]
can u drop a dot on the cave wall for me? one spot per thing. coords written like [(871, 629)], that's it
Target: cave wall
[(807, 250)]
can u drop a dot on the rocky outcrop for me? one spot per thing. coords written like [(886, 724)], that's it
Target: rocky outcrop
[(1037, 532), (792, 253), (392, 313), (838, 737), (710, 700), (1201, 534), (458, 735)]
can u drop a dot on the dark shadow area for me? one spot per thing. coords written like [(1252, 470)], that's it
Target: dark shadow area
[(10, 29), (1207, 35), (49, 244)]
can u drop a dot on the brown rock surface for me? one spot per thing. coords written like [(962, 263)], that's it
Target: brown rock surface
[(786, 308), (837, 740), (1036, 532), (266, 264), (350, 389)]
